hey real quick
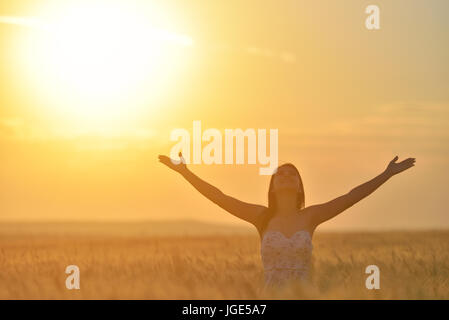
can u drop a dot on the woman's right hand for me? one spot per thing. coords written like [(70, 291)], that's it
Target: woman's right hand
[(177, 165)]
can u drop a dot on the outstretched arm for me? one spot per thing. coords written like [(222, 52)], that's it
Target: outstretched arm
[(323, 212), (243, 210)]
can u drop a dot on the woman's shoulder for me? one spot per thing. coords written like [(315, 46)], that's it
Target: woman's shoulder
[(262, 219)]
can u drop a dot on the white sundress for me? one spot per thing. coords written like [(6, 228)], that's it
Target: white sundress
[(286, 260)]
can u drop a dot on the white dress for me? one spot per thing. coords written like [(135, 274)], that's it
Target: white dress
[(286, 260)]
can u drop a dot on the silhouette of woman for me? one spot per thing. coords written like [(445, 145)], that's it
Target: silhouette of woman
[(286, 226)]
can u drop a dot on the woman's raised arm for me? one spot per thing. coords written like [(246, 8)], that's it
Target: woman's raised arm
[(323, 212), (243, 210)]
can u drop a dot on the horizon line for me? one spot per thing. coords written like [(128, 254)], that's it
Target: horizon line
[(218, 224)]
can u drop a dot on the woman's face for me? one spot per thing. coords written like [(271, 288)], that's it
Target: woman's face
[(286, 178)]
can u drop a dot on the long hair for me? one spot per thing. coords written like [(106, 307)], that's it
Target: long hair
[(271, 210)]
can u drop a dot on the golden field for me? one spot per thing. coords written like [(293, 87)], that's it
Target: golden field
[(413, 265)]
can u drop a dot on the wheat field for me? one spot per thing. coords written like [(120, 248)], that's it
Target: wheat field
[(413, 265)]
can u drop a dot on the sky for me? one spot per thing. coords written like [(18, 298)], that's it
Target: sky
[(90, 92)]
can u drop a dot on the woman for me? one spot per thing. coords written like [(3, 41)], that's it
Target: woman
[(286, 226)]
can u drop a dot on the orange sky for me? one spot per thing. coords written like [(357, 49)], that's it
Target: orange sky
[(344, 99)]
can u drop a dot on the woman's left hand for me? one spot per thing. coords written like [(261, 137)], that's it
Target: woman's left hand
[(397, 167)]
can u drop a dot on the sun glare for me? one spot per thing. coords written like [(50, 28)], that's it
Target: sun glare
[(98, 62)]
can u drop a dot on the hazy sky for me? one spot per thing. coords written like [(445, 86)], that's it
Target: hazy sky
[(345, 100)]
